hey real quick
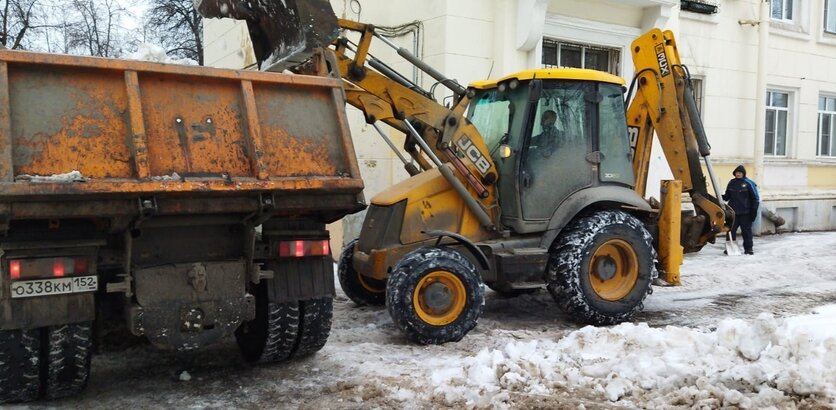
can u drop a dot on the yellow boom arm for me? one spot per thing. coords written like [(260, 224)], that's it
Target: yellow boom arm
[(664, 104), (451, 142)]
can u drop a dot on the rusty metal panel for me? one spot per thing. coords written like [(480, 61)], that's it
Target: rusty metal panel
[(301, 131), (139, 147), (6, 173), (64, 120), (193, 127), (126, 125)]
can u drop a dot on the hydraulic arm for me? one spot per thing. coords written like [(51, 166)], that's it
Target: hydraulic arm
[(452, 144), (664, 103)]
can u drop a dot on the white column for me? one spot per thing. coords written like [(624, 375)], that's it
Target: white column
[(760, 92)]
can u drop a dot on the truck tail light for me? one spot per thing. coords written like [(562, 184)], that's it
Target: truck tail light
[(14, 269), (48, 267), (300, 249), (80, 265), (58, 267)]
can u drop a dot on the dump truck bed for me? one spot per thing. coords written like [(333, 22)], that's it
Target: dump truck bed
[(176, 134)]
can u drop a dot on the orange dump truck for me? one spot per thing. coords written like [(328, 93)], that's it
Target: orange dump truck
[(189, 203)]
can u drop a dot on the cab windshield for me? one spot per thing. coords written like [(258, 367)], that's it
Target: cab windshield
[(492, 112)]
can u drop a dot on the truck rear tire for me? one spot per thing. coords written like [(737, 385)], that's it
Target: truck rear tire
[(601, 267), (435, 295), (361, 290), (314, 325), (68, 349), (19, 365), (271, 336)]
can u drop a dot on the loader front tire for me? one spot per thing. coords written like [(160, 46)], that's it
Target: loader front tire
[(360, 289), (601, 267), (435, 295)]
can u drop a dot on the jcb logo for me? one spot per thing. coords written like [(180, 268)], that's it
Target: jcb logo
[(664, 67), (471, 152), (633, 135)]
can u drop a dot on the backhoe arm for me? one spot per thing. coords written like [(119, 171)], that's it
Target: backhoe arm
[(664, 104), (442, 133)]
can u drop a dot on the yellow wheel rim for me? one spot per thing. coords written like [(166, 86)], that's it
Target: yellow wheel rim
[(439, 298), (368, 286), (614, 269)]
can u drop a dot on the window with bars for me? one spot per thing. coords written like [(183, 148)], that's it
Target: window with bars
[(782, 10), (827, 127), (696, 84), (777, 115), (558, 53), (830, 16)]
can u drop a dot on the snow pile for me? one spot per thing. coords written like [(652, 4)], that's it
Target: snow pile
[(745, 364), (157, 54), (74, 176)]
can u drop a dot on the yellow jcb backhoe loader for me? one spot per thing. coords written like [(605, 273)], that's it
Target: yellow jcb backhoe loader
[(533, 179)]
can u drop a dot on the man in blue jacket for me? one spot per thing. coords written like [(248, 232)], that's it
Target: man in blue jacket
[(742, 195)]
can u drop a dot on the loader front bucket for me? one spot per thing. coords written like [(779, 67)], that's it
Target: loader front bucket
[(284, 32)]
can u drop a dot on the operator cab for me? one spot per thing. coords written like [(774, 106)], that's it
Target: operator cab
[(552, 133)]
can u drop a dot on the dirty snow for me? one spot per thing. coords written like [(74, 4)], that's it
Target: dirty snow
[(173, 177), (747, 331), (73, 176), (752, 364), (157, 54)]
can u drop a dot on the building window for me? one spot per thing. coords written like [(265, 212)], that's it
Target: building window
[(782, 10), (830, 16), (777, 113), (698, 6), (696, 85), (827, 127), (564, 54)]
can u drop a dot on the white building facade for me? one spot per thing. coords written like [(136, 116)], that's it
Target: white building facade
[(473, 40)]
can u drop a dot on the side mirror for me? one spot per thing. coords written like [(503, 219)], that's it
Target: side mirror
[(504, 151)]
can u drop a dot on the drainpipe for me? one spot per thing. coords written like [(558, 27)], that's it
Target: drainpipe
[(760, 92)]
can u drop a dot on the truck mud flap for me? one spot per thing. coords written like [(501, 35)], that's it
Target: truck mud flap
[(301, 279), (36, 312), (188, 306)]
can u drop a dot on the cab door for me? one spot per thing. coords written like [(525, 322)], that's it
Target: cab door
[(554, 160)]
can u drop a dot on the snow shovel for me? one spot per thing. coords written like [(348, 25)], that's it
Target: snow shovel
[(731, 246)]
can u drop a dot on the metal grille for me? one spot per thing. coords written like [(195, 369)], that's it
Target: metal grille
[(558, 53)]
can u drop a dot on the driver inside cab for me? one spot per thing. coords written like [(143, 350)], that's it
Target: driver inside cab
[(546, 141)]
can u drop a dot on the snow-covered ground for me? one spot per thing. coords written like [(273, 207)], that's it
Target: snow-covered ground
[(746, 331)]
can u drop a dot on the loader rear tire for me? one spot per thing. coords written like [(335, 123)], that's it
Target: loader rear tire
[(360, 289), (314, 325), (68, 352), (601, 267), (19, 365), (435, 295), (271, 336)]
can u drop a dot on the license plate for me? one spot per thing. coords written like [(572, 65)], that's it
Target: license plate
[(58, 286)]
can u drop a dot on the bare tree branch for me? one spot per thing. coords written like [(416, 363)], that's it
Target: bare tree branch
[(179, 28)]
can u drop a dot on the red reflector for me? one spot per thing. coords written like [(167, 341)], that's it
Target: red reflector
[(299, 249), (80, 265), (320, 248), (14, 269), (58, 267)]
